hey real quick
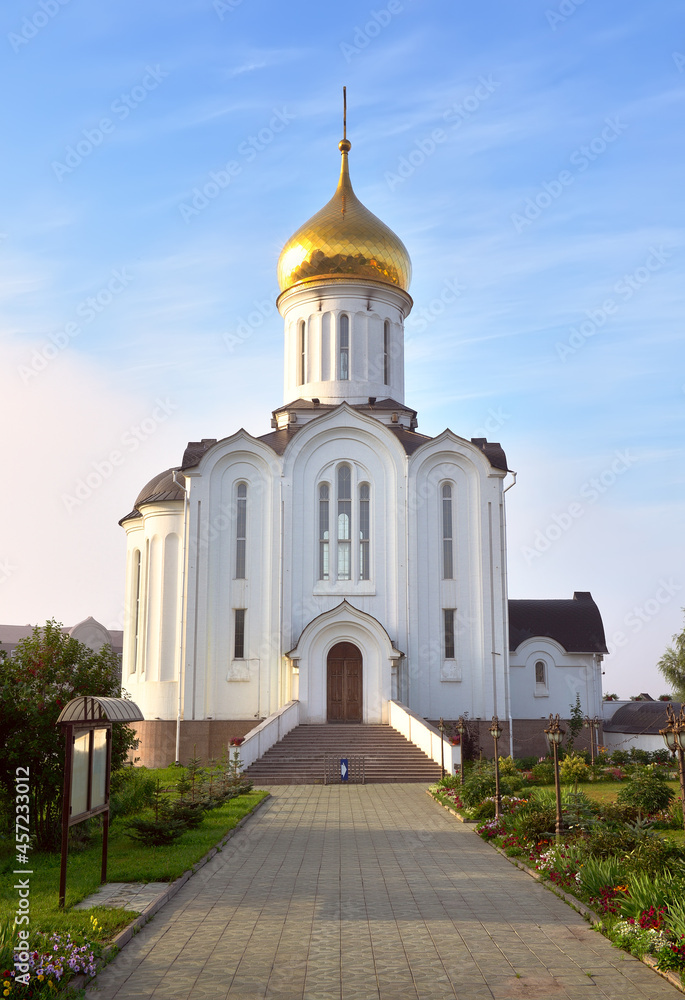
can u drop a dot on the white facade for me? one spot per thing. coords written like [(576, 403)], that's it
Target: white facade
[(253, 560)]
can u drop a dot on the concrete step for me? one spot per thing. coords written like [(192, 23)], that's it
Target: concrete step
[(299, 757)]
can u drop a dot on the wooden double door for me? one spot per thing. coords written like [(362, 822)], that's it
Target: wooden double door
[(344, 685)]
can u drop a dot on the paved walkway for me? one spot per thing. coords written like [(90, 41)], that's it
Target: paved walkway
[(133, 896), (368, 893)]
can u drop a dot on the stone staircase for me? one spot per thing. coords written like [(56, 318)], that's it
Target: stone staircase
[(298, 759)]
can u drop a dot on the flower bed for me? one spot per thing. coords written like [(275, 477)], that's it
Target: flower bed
[(638, 891), (609, 857)]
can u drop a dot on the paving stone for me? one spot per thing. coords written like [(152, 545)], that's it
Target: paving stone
[(367, 893)]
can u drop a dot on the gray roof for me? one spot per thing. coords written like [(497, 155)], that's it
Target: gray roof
[(642, 717), (161, 488), (87, 708), (576, 624), (12, 635)]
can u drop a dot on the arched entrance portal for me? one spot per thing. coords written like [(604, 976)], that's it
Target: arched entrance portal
[(344, 685)]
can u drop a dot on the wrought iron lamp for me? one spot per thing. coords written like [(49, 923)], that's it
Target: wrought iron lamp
[(496, 732), (555, 735)]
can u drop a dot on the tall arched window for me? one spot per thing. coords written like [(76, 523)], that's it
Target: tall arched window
[(447, 539), (386, 352), (344, 347), (324, 532), (364, 531), (448, 623), (540, 674), (344, 522), (301, 366), (136, 613), (240, 531)]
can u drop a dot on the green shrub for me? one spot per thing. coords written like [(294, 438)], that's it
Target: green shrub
[(507, 766), (573, 769), (450, 781), (596, 873), (535, 820), (480, 783), (617, 813), (644, 891), (132, 791), (646, 790), (543, 772), (156, 832), (676, 917), (604, 841), (654, 855), (190, 814)]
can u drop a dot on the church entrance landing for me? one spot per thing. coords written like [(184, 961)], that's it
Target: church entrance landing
[(344, 684)]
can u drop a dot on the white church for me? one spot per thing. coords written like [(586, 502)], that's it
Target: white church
[(343, 561)]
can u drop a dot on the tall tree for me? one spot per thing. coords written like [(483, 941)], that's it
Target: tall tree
[(672, 665), (45, 671)]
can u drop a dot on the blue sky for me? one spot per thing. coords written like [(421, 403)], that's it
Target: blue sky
[(530, 157)]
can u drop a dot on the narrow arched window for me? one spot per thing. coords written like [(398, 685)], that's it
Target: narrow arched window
[(540, 674), (448, 623), (364, 531), (344, 348), (239, 634), (301, 360), (447, 539), (386, 352), (240, 531), (324, 531), (136, 612), (344, 522)]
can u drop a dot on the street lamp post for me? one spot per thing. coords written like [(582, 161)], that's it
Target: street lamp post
[(597, 725), (555, 735), (674, 737), (496, 732), (589, 724), (460, 726), (441, 727)]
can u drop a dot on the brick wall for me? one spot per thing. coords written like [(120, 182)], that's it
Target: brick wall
[(205, 739)]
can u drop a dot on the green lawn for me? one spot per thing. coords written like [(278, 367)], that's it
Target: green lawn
[(128, 861)]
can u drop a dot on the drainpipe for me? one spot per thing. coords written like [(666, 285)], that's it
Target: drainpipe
[(505, 602), (182, 617)]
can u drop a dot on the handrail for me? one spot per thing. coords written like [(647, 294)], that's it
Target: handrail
[(269, 731), (425, 736)]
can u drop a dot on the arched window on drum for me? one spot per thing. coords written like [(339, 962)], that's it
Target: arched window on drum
[(447, 534)]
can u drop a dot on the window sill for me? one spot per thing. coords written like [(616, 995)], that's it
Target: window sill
[(541, 694), (363, 588)]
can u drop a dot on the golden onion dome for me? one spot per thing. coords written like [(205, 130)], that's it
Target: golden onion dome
[(344, 240)]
